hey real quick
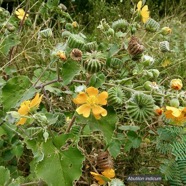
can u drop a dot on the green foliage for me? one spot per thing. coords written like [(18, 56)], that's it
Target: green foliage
[(50, 138), (22, 86), (4, 176), (69, 71)]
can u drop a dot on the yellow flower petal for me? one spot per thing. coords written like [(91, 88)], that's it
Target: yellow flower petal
[(81, 98), (175, 111), (84, 109), (24, 108), (36, 101), (92, 91), (109, 173), (98, 177), (97, 110), (139, 5), (102, 98), (22, 121)]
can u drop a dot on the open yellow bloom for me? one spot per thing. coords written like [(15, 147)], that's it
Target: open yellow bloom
[(91, 102), (144, 12), (105, 176), (28, 106), (177, 115), (176, 84), (21, 13)]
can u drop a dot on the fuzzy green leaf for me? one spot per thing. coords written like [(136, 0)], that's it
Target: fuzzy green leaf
[(15, 91), (69, 71), (4, 176), (59, 168)]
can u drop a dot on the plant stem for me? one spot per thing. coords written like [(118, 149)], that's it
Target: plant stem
[(71, 123)]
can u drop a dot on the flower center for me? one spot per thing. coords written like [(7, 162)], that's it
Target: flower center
[(92, 100)]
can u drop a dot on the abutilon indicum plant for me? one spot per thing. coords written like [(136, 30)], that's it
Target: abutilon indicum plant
[(77, 109)]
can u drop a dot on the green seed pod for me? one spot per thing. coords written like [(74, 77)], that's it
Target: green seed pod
[(91, 46), (61, 120), (155, 73), (45, 33), (69, 26), (116, 182), (174, 102), (115, 63), (140, 107), (92, 65), (148, 85), (65, 34), (120, 24), (151, 25), (75, 41), (116, 96), (110, 32), (164, 46), (159, 99)]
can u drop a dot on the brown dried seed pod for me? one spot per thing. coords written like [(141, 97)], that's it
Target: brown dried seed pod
[(76, 54), (135, 47), (104, 160)]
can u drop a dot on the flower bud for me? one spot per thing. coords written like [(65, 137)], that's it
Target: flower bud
[(176, 84), (166, 31), (158, 111), (174, 102)]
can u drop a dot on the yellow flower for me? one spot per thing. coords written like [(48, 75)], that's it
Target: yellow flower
[(28, 106), (104, 177), (21, 13), (91, 102), (61, 55), (177, 115), (176, 84), (144, 12)]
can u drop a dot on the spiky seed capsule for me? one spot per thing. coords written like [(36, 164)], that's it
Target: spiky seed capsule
[(140, 107), (152, 25), (115, 63), (61, 120), (91, 46), (104, 160), (75, 41), (92, 65), (135, 48), (116, 96), (120, 24), (76, 54), (164, 46)]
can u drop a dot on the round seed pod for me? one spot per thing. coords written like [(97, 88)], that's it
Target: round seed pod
[(164, 46), (174, 102), (152, 25), (91, 46), (75, 41), (120, 24), (76, 54), (116, 96), (61, 120), (135, 48), (104, 160), (115, 63), (92, 65), (140, 107), (65, 34)]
